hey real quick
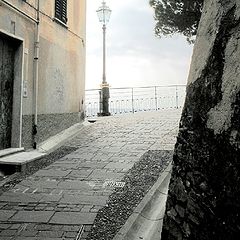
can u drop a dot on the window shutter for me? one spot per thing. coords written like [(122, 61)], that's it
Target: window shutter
[(61, 10)]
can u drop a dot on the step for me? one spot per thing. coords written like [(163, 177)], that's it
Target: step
[(21, 158), (19, 162), (9, 151)]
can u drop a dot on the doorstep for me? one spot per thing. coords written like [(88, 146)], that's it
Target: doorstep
[(9, 151)]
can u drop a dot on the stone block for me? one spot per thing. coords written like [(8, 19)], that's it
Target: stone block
[(19, 197), (26, 233), (32, 216), (8, 233), (52, 173), (73, 218), (50, 234), (104, 175), (5, 215), (118, 165), (90, 200)]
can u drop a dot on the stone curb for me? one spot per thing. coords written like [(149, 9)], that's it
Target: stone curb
[(146, 220), (57, 140)]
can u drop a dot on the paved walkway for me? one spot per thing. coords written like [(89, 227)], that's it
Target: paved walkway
[(61, 201)]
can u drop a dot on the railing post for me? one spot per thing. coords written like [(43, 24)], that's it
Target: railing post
[(132, 102), (156, 98), (176, 97), (100, 102)]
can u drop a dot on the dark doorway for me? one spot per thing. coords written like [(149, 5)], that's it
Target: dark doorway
[(7, 53)]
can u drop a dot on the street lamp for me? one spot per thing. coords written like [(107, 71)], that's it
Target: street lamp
[(104, 13)]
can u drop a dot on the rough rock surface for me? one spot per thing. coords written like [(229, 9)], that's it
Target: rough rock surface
[(204, 193)]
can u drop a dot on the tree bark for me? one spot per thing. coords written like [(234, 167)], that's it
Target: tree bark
[(204, 193)]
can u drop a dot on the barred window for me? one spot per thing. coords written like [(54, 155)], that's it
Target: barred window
[(61, 10)]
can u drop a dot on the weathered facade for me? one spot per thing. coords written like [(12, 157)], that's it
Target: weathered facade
[(42, 69), (204, 193)]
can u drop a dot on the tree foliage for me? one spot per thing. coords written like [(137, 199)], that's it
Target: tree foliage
[(177, 16)]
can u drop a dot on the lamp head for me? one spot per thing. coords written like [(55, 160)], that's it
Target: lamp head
[(104, 13)]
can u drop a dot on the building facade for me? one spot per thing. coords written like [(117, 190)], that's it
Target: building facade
[(42, 69)]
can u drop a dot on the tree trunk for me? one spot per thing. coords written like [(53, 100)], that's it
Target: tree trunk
[(204, 192)]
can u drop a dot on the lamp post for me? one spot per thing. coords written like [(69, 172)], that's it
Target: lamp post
[(104, 13)]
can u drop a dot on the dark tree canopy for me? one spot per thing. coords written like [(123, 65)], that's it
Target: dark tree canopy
[(177, 16)]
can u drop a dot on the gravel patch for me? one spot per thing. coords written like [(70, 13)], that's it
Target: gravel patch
[(124, 200), (11, 180)]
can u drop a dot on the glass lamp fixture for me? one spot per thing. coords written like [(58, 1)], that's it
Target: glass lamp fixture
[(104, 13)]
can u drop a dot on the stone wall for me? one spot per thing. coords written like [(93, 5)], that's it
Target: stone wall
[(204, 193), (48, 126)]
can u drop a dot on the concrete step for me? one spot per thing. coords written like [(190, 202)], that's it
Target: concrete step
[(21, 158), (10, 151), (17, 162)]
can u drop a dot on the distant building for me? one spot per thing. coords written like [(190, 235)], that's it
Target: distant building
[(42, 69)]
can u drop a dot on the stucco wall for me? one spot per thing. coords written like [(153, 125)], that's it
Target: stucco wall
[(62, 54), (204, 193), (62, 50), (61, 86)]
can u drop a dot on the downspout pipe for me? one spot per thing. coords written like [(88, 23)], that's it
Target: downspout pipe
[(36, 70)]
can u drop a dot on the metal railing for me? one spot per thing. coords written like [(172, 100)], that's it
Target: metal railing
[(131, 100)]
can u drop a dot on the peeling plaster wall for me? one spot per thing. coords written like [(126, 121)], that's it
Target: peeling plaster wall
[(204, 192), (61, 88)]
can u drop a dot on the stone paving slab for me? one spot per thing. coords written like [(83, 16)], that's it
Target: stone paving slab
[(74, 184), (77, 173), (119, 165), (35, 231), (39, 183), (51, 198), (83, 199), (52, 173), (19, 197), (6, 214), (103, 174), (69, 218), (70, 191), (32, 216), (38, 238)]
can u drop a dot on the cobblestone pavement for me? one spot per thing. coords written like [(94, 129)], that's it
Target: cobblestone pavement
[(61, 201)]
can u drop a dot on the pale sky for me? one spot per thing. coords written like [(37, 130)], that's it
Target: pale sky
[(135, 56)]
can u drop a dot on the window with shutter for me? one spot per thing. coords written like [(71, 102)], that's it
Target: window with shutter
[(61, 10)]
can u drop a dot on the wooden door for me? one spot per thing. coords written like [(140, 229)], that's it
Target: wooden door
[(6, 91)]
